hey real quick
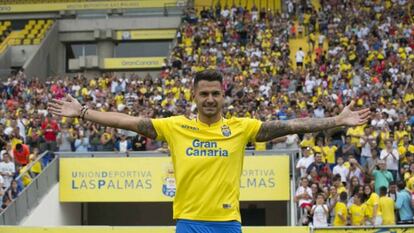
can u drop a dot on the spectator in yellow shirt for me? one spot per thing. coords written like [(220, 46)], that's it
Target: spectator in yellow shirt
[(336, 181), (340, 211), (318, 147), (356, 133), (329, 151), (404, 148), (36, 168), (308, 141), (25, 175), (357, 211), (409, 178), (399, 133), (386, 205), (372, 211)]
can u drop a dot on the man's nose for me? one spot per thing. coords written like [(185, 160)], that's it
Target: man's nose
[(210, 98)]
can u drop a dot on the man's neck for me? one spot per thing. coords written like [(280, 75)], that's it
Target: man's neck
[(209, 120)]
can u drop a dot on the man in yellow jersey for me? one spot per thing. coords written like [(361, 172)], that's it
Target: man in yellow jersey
[(207, 151), (386, 204), (357, 211), (340, 210)]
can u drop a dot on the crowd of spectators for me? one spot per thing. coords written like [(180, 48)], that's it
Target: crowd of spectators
[(344, 172), (361, 175)]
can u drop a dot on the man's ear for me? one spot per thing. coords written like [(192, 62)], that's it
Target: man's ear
[(192, 96), (193, 93)]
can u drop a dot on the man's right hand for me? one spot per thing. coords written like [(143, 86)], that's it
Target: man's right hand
[(69, 108)]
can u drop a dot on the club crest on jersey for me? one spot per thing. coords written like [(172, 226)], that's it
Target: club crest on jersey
[(225, 130)]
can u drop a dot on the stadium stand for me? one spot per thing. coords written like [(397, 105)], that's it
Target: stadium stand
[(31, 34), (366, 56)]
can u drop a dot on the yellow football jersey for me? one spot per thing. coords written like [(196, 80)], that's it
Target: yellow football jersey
[(208, 161), (329, 153), (357, 213), (386, 204), (370, 203), (340, 210)]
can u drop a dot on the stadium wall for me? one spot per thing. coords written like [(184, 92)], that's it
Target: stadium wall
[(20, 54), (50, 212), (5, 59)]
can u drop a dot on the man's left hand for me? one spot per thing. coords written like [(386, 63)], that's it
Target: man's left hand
[(353, 118)]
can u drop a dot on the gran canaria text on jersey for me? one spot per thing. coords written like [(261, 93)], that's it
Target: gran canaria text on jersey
[(206, 148)]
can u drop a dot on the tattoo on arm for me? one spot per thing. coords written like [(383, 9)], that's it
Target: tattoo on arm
[(145, 127), (273, 129)]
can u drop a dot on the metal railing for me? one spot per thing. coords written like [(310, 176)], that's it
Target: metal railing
[(30, 196)]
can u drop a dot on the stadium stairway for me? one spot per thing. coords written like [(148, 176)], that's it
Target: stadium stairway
[(301, 41)]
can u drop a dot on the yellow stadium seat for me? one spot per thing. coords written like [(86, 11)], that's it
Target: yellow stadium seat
[(17, 42), (36, 41), (7, 23), (32, 22), (31, 36), (34, 31), (50, 21), (41, 21), (27, 41)]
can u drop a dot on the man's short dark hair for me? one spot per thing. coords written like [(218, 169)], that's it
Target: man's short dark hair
[(19, 146), (360, 196), (319, 194), (208, 75), (343, 196), (383, 191), (337, 177), (401, 185)]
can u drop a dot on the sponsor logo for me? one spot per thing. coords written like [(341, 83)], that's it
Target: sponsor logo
[(189, 127), (206, 148)]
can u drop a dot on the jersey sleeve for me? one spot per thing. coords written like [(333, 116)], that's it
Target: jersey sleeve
[(162, 126), (252, 128)]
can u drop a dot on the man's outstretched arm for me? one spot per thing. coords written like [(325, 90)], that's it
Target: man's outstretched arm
[(72, 108), (273, 129)]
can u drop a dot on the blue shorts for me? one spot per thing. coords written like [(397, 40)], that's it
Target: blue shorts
[(190, 226)]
